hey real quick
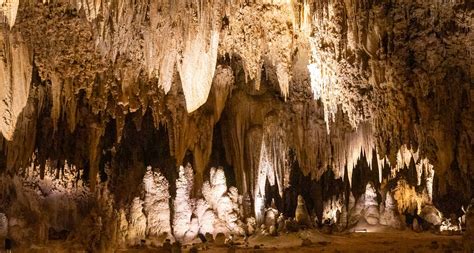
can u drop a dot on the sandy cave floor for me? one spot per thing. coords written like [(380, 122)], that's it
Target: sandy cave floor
[(378, 240)]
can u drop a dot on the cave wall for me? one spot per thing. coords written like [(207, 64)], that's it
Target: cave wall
[(109, 85)]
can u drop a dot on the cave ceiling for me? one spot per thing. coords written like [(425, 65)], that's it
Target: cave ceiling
[(332, 80)]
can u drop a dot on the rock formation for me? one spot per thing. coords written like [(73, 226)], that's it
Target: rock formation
[(371, 209), (469, 234), (302, 97), (389, 215), (301, 214)]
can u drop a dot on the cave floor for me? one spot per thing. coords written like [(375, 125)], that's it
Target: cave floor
[(387, 241), (371, 241)]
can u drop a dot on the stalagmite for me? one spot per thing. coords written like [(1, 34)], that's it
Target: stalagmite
[(137, 223), (355, 213), (431, 214), (264, 173), (206, 217), (388, 215), (371, 210), (183, 204), (271, 215), (224, 203), (301, 213), (156, 203)]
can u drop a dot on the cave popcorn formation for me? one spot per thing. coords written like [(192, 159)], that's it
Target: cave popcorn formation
[(154, 124)]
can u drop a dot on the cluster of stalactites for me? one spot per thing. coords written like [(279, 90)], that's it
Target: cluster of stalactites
[(361, 143), (353, 147), (182, 36), (424, 169), (52, 182), (272, 165)]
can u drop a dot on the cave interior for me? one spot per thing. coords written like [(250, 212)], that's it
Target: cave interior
[(236, 125)]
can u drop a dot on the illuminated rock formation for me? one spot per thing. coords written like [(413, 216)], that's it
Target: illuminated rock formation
[(389, 214), (371, 210), (183, 204), (156, 203), (294, 99), (137, 222), (15, 76), (301, 213)]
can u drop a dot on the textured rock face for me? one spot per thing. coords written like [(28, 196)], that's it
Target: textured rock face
[(15, 80), (367, 59), (123, 85), (389, 215), (371, 210)]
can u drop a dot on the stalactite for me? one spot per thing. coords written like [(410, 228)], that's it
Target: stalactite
[(378, 90), (424, 169), (96, 134), (8, 11), (407, 198), (197, 81), (15, 78), (266, 42), (264, 172), (328, 74), (277, 150)]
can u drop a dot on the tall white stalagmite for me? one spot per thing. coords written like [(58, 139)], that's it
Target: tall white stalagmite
[(137, 222), (223, 202), (371, 210), (206, 216), (156, 203), (183, 204)]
